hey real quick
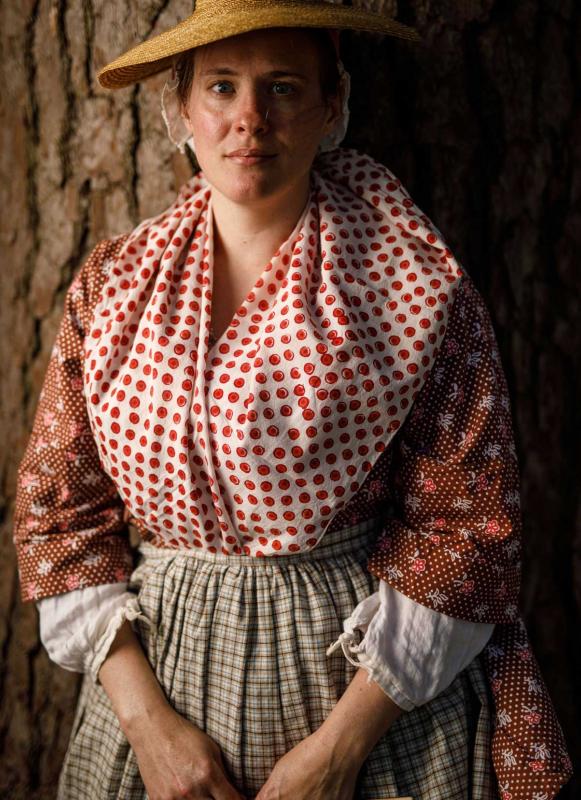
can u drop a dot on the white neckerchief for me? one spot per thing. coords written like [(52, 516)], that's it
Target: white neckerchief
[(253, 446)]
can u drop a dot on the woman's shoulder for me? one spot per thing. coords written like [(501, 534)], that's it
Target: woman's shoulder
[(85, 289), (102, 253)]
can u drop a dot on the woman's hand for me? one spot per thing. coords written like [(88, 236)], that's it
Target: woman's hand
[(312, 770), (178, 760), (325, 765)]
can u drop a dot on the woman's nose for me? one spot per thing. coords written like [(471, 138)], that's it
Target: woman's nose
[(252, 112)]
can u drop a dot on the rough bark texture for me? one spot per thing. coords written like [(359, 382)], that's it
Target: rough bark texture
[(482, 123)]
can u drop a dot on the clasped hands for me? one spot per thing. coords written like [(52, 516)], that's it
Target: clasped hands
[(323, 766)]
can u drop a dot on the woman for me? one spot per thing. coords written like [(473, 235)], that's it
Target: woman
[(250, 439)]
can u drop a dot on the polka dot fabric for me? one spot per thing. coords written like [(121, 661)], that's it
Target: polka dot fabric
[(455, 477), (452, 537), (529, 751), (69, 530), (253, 445), (84, 542), (359, 377)]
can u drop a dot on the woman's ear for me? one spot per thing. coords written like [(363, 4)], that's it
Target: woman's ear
[(334, 112), (184, 114)]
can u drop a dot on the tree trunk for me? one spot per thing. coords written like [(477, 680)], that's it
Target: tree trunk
[(482, 124)]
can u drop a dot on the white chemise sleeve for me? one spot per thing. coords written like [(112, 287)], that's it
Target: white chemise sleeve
[(412, 652), (77, 628)]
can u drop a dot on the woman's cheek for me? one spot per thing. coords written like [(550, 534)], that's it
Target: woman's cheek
[(210, 126), (305, 124)]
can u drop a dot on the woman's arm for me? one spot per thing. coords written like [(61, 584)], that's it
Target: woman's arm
[(176, 759), (129, 681), (357, 721), (78, 627), (412, 652), (69, 532), (325, 765), (453, 540)]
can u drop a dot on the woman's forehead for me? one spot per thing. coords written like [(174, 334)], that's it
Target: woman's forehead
[(283, 47)]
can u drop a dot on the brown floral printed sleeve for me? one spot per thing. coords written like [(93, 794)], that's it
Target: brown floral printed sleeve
[(453, 542), (452, 539), (69, 529)]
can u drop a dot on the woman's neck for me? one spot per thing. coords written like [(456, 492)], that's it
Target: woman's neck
[(247, 235)]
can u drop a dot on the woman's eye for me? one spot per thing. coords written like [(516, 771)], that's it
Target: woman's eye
[(220, 83), (281, 89), (287, 88)]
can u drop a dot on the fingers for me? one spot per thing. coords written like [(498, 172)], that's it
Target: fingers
[(221, 788)]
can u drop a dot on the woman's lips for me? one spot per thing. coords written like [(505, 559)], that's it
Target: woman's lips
[(253, 159)]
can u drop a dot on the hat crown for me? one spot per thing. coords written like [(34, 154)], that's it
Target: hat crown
[(249, 7), (212, 20)]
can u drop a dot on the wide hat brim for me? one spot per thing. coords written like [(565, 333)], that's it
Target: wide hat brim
[(213, 21)]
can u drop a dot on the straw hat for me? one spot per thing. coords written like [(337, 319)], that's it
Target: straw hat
[(217, 19)]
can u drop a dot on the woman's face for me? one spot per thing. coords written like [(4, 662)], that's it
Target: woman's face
[(258, 91)]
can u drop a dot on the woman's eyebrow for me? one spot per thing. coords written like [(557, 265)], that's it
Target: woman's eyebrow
[(275, 73)]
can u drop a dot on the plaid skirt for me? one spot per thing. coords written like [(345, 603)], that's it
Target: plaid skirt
[(238, 646)]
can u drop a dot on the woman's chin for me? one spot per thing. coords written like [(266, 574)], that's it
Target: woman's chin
[(250, 188)]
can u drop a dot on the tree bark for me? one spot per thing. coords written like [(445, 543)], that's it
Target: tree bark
[(481, 122)]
